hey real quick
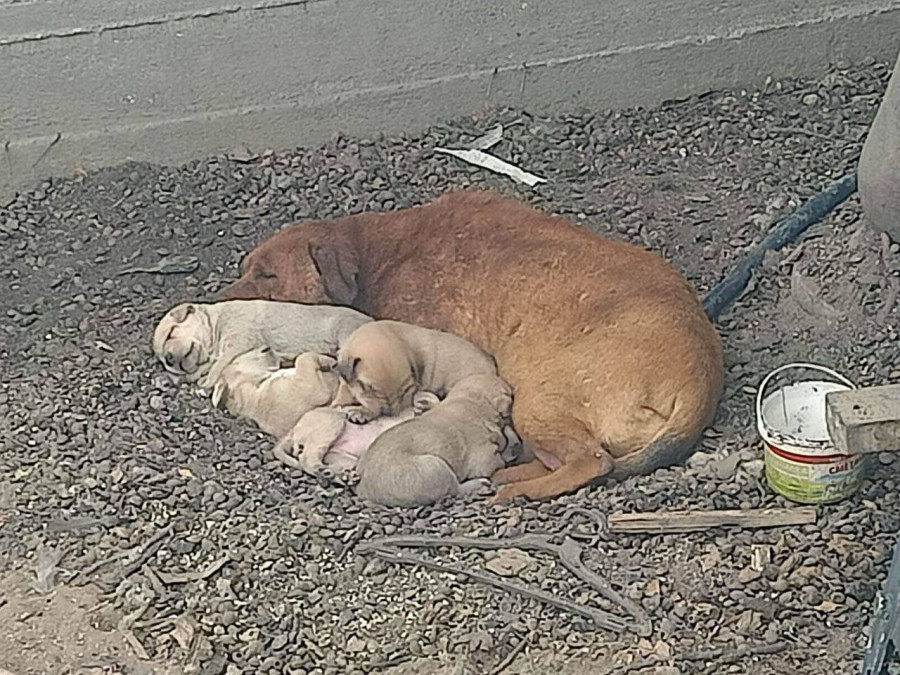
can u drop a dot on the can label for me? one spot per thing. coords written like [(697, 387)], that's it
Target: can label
[(815, 483)]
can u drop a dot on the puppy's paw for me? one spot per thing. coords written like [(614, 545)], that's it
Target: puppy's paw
[(360, 416), (424, 401), (476, 486), (325, 474)]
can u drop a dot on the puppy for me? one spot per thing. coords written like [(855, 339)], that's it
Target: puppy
[(450, 449), (326, 437), (615, 365), (255, 386), (200, 340), (384, 364)]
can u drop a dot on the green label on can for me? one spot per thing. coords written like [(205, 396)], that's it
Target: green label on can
[(813, 483)]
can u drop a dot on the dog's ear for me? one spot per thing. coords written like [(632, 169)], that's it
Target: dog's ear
[(219, 394), (325, 363), (182, 312), (338, 269), (347, 368)]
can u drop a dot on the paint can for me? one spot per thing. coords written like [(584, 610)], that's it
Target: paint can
[(801, 461)]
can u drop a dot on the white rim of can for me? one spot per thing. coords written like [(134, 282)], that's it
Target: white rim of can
[(773, 437)]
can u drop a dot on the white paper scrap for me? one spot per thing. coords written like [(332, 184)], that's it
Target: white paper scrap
[(495, 164), (488, 140)]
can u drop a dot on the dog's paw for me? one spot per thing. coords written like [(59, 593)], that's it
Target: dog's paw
[(476, 486), (424, 401), (360, 416), (325, 474)]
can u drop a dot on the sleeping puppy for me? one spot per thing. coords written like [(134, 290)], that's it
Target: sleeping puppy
[(384, 364), (255, 386), (448, 450), (200, 340), (326, 437)]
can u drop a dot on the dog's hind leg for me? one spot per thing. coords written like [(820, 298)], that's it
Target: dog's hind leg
[(520, 472), (572, 475)]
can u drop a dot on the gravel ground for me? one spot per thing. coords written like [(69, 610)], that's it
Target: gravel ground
[(105, 457)]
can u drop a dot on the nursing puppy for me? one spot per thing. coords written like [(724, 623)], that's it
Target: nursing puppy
[(200, 340), (615, 365), (450, 449), (385, 364), (326, 437), (255, 386)]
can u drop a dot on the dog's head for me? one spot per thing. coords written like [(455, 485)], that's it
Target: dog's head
[(183, 340), (311, 262), (378, 370), (488, 388)]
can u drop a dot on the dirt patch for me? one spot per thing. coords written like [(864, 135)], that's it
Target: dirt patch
[(55, 634)]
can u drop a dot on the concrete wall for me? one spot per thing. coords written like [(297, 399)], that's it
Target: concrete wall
[(95, 82)]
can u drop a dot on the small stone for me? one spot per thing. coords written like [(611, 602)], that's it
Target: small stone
[(811, 99), (510, 562)]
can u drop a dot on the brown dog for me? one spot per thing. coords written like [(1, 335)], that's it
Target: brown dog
[(614, 365)]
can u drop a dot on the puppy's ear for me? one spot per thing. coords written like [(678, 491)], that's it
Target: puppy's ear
[(219, 394), (347, 369), (338, 268), (182, 312), (325, 363)]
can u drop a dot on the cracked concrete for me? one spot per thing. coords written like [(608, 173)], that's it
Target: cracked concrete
[(92, 83)]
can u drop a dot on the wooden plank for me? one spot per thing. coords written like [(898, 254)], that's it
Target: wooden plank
[(697, 521), (864, 420)]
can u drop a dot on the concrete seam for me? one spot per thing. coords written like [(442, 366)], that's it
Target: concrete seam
[(155, 21)]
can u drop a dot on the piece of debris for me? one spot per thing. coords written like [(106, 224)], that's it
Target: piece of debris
[(807, 295), (173, 264), (488, 140), (696, 521), (495, 164), (169, 578), (45, 569), (509, 562), (183, 631)]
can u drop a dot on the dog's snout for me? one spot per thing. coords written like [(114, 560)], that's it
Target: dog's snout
[(170, 360)]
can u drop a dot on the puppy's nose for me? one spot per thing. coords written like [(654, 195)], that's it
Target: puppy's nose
[(170, 360)]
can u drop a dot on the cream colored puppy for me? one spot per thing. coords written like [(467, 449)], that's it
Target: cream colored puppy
[(255, 386), (448, 450), (200, 339), (385, 363), (326, 437)]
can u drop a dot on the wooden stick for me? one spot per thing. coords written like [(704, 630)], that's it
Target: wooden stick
[(697, 521), (507, 662)]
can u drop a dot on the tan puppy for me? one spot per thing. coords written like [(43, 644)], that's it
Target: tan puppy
[(254, 385), (199, 340), (615, 365), (386, 363), (326, 437), (448, 450)]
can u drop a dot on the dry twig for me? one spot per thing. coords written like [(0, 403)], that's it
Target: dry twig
[(568, 553)]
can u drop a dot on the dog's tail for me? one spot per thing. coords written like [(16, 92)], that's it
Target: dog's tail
[(674, 443)]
